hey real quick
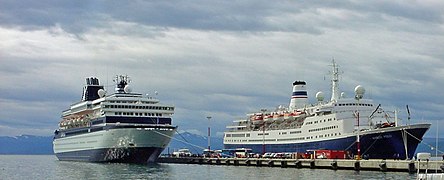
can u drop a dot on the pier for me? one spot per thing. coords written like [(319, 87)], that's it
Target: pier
[(391, 165)]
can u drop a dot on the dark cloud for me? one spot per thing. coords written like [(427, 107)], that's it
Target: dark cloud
[(215, 58)]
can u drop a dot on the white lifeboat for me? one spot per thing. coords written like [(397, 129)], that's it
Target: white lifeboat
[(257, 119)]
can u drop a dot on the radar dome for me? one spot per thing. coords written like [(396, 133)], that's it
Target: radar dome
[(101, 92), (320, 96), (127, 89), (343, 95), (359, 92)]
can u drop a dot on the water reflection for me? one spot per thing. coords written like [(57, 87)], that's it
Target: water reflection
[(86, 170)]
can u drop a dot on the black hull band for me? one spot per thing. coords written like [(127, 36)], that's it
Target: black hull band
[(139, 155)]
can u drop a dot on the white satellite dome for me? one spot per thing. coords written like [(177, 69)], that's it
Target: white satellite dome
[(320, 96), (127, 89), (101, 93), (359, 92), (343, 95)]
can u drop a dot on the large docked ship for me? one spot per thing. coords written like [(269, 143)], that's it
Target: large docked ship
[(356, 125), (119, 127)]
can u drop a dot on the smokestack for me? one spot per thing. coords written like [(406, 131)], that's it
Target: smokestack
[(299, 96)]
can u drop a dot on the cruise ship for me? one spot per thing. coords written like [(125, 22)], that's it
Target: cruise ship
[(118, 127), (356, 125)]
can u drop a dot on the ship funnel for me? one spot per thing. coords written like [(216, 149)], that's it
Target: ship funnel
[(299, 96), (90, 91)]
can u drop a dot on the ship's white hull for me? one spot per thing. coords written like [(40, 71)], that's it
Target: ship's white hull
[(116, 144)]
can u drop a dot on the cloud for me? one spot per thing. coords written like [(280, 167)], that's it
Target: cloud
[(216, 58)]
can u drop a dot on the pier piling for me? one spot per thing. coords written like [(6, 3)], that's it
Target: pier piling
[(410, 166)]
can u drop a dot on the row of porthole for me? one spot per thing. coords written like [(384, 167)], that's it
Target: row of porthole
[(136, 114)]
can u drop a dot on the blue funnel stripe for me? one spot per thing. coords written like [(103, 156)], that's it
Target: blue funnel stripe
[(299, 94)]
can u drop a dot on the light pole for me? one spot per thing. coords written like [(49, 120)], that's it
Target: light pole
[(209, 133), (263, 130), (359, 93)]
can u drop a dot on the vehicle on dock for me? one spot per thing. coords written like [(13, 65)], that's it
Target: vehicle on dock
[(242, 152), (182, 153)]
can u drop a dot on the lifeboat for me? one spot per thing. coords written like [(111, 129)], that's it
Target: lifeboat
[(268, 117), (386, 124), (257, 119)]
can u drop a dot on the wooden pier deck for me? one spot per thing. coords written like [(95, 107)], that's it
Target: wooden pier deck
[(410, 166)]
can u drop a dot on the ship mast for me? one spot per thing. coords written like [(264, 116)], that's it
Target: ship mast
[(335, 82)]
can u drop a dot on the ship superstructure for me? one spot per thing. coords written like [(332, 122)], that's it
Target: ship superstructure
[(119, 127), (352, 124)]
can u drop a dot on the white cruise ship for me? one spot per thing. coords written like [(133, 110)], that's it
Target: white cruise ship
[(119, 127), (356, 125)]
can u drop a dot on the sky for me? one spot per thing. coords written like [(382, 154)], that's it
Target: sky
[(217, 58)]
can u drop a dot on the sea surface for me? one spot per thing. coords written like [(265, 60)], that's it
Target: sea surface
[(48, 167)]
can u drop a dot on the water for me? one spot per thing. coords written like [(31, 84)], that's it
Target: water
[(48, 167)]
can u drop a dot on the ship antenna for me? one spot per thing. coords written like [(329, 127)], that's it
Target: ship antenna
[(335, 81), (408, 112)]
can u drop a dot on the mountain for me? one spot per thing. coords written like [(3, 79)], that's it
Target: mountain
[(26, 144), (195, 143)]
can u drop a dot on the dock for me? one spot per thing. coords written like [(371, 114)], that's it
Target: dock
[(391, 165)]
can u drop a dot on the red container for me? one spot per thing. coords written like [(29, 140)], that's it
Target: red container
[(330, 154)]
